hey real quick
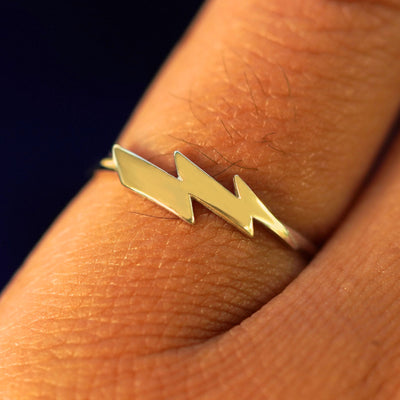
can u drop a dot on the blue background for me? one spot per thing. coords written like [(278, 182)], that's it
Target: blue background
[(70, 75)]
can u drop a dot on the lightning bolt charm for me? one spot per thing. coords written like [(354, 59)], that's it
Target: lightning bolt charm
[(176, 194)]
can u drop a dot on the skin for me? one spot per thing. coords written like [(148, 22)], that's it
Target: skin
[(121, 300)]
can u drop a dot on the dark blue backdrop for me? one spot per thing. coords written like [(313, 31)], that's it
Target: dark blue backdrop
[(70, 74)]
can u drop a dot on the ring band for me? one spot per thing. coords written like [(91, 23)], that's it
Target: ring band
[(176, 193)]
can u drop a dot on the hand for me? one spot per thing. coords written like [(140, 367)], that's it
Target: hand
[(121, 301)]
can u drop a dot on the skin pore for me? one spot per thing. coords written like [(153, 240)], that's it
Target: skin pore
[(119, 300)]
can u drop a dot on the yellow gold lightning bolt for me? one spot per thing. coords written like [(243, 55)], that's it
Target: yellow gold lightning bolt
[(176, 194)]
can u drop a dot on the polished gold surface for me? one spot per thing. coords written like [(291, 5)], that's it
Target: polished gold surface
[(108, 163), (176, 194)]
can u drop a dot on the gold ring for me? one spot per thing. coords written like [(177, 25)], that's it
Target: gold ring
[(176, 193)]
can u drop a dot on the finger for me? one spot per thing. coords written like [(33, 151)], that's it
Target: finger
[(332, 334), (307, 182), (105, 272)]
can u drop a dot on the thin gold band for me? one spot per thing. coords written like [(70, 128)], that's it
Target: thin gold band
[(176, 194)]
